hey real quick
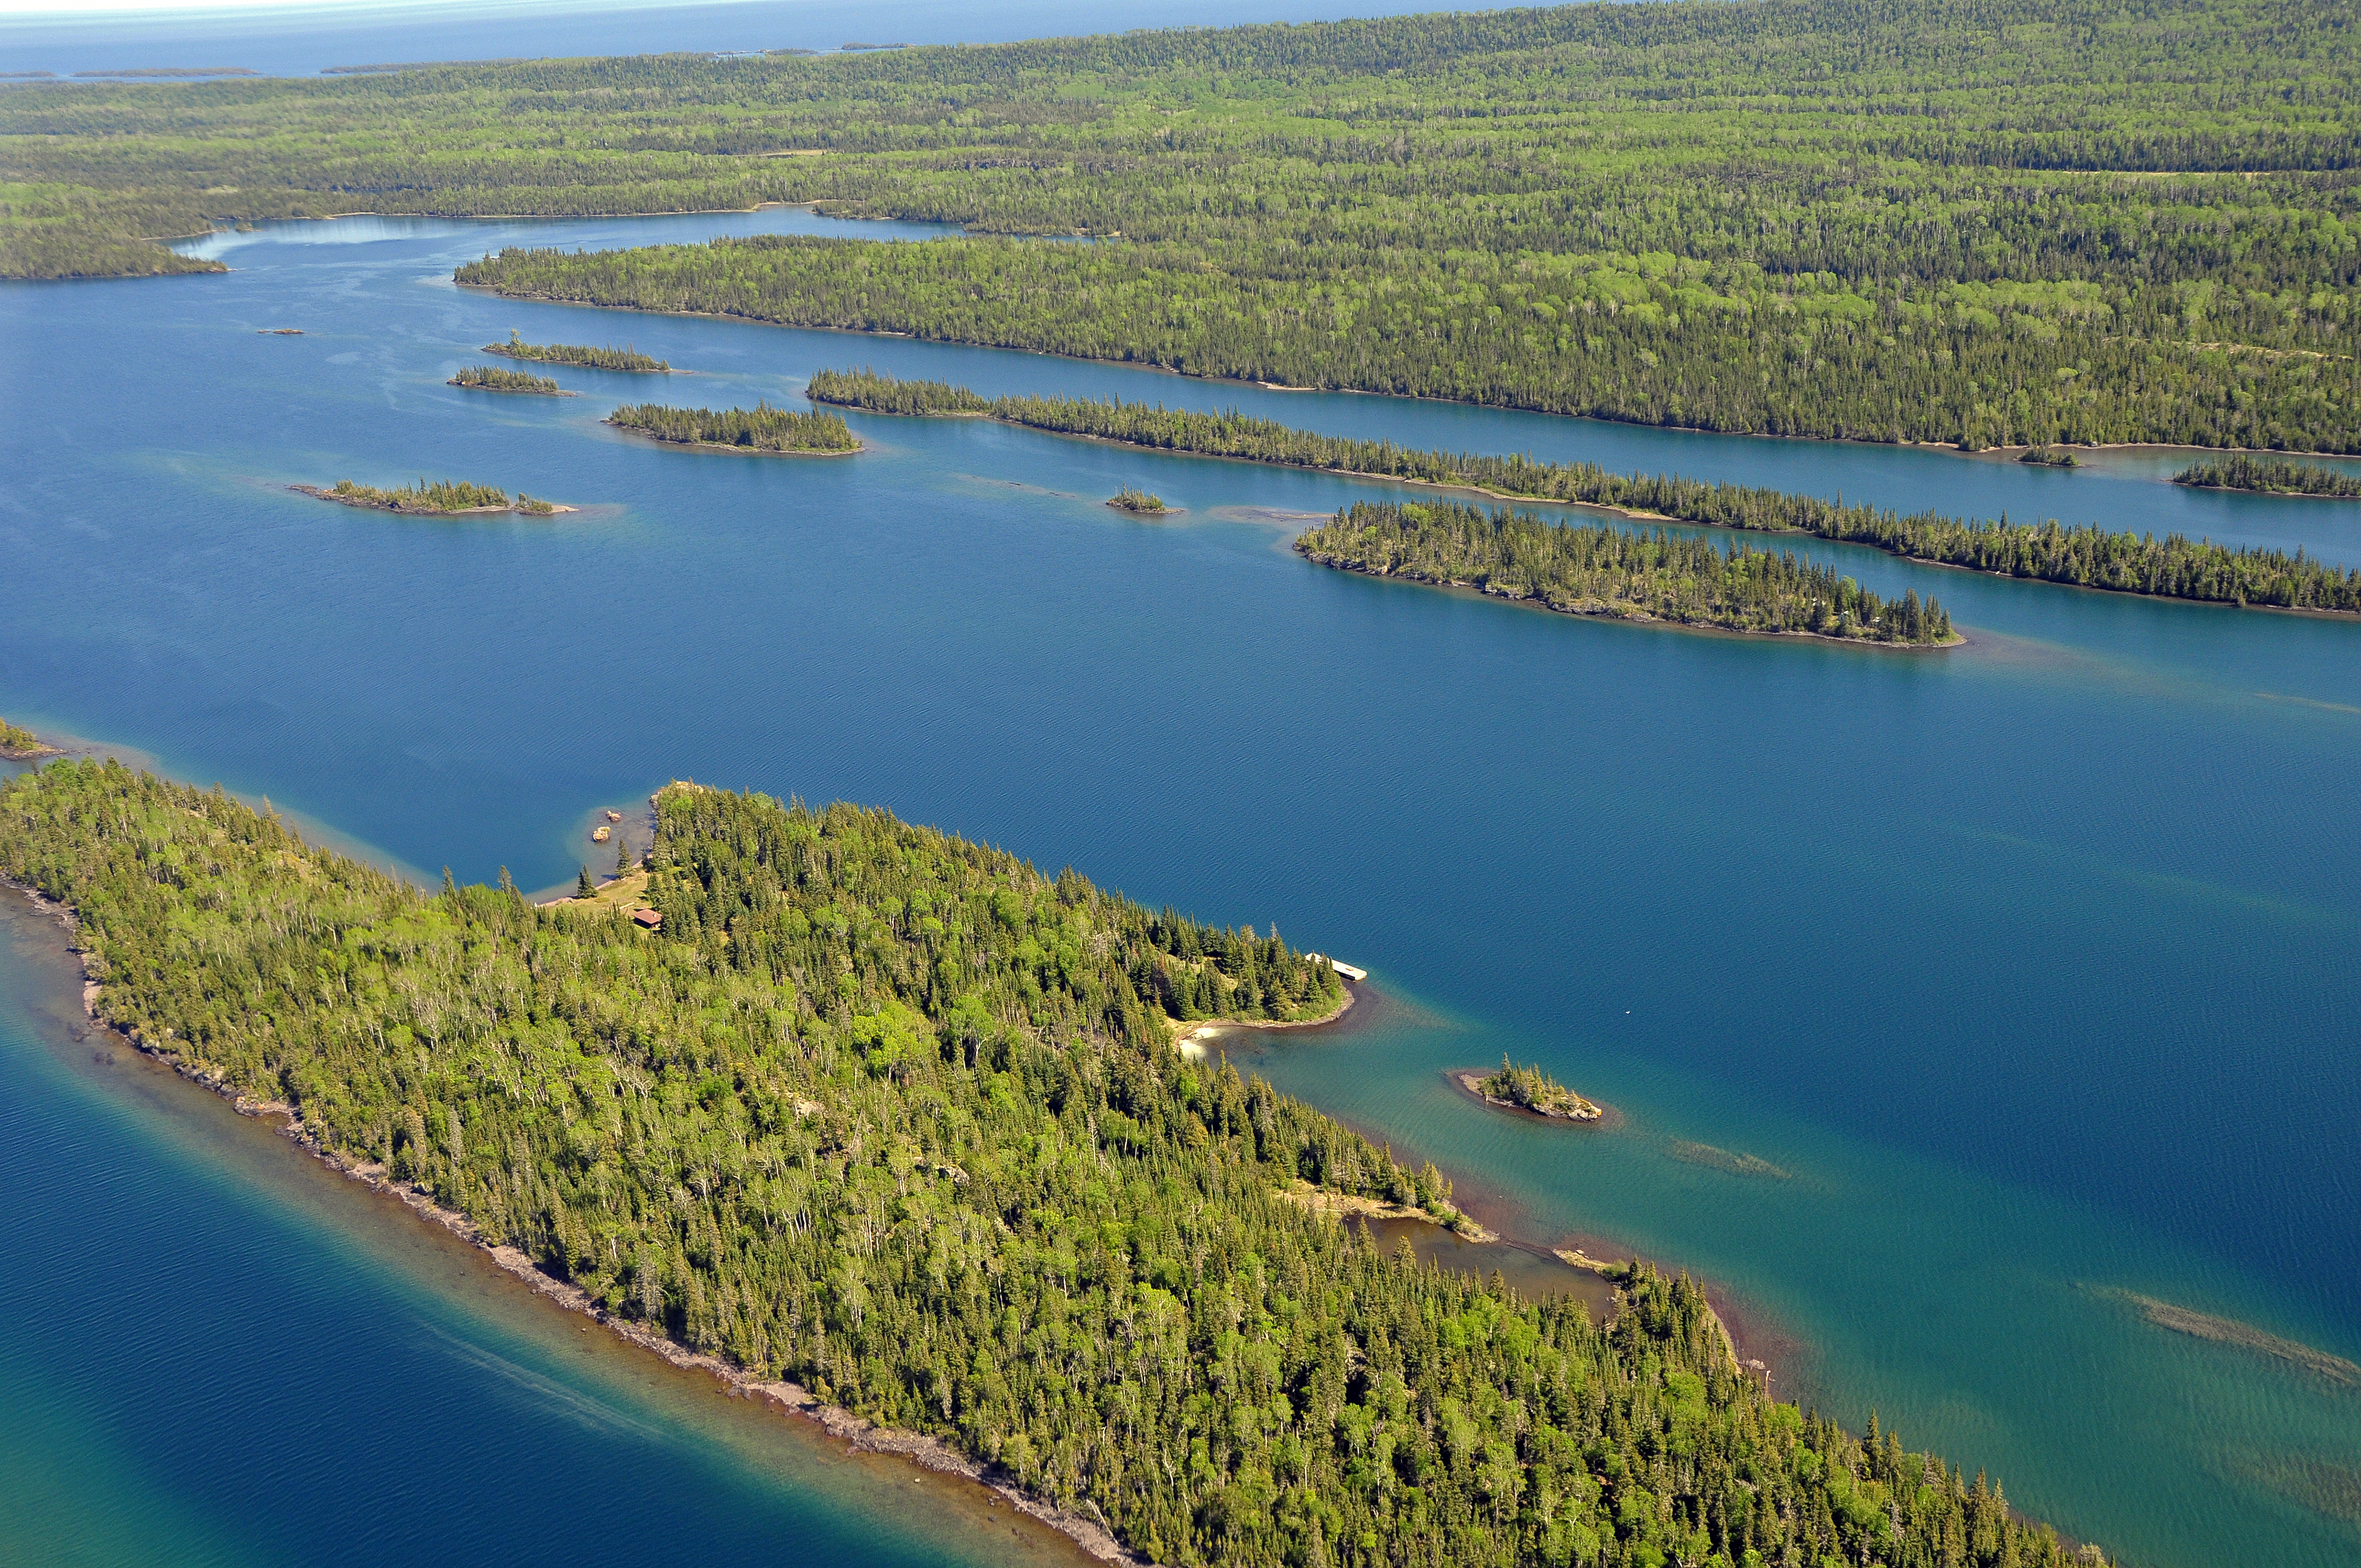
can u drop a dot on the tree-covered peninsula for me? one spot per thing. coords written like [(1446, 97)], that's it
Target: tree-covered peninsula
[(492, 378), (1987, 222), (2080, 556), (1623, 573), (2269, 477), (624, 358), (438, 497), (897, 1116), (759, 429)]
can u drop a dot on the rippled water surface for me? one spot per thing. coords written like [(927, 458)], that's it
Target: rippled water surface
[(1945, 997)]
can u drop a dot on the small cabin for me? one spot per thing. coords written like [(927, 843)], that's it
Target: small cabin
[(646, 919)]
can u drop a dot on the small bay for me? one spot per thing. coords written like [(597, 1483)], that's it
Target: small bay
[(2026, 966)]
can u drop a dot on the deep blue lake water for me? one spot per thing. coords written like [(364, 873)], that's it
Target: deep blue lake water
[(2029, 965)]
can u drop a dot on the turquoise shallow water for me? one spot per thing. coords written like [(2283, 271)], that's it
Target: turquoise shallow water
[(2029, 965)]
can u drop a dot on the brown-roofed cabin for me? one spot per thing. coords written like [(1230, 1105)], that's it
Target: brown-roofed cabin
[(647, 918)]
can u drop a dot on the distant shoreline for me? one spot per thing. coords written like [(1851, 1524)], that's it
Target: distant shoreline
[(1942, 446)]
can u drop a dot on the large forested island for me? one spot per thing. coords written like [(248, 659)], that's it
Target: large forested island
[(2079, 555), (1990, 224), (759, 429), (1621, 574), (897, 1116)]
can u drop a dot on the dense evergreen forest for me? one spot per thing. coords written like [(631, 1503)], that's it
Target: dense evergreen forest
[(2082, 555), (1990, 222), (2269, 478), (492, 378), (1640, 574), (759, 429), (597, 358), (897, 1116)]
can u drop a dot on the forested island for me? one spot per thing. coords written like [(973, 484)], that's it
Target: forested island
[(759, 429), (1919, 222), (2049, 457), (896, 1116), (2267, 478), (1623, 573), (624, 358), (440, 497), (1528, 1089), (1138, 502), (2080, 556), (19, 744), (492, 378)]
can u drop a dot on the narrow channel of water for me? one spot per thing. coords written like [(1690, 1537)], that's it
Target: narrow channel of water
[(1945, 997)]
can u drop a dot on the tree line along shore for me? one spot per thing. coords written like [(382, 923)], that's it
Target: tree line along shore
[(898, 1117), (1917, 222), (2080, 555)]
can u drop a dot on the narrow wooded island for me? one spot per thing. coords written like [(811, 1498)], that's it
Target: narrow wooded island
[(1527, 1088), (2082, 555), (1621, 574), (439, 497), (759, 429), (492, 378), (897, 1117), (2270, 478), (626, 358)]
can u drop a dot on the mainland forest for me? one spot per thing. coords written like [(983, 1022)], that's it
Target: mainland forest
[(898, 1116), (759, 429), (1623, 574), (1982, 222), (2080, 556)]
